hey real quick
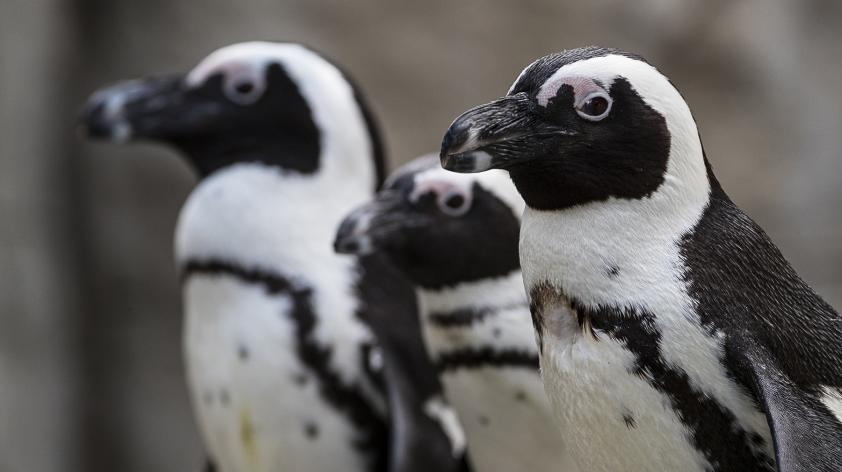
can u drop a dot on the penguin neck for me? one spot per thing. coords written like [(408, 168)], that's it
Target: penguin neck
[(261, 216), (290, 152), (494, 292), (254, 218), (608, 252)]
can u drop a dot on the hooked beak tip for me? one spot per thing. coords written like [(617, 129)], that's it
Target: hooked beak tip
[(344, 246), (98, 120), (350, 239), (459, 150)]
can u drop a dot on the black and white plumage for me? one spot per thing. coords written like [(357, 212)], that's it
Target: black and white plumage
[(456, 237), (293, 355), (673, 333)]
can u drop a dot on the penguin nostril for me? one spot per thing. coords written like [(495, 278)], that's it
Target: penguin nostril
[(446, 143), (452, 140)]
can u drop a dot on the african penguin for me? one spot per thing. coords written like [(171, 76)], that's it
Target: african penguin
[(292, 356), (456, 237), (673, 335)]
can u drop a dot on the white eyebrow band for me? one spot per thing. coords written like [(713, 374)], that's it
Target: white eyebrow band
[(581, 87)]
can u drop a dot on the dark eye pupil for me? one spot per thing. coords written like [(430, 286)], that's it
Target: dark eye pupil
[(244, 87), (595, 106), (455, 201)]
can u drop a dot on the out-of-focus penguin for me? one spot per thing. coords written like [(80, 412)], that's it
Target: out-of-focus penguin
[(293, 358), (456, 237)]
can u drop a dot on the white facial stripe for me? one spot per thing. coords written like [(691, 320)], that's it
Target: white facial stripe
[(239, 64), (512, 87), (417, 165), (440, 180), (653, 87), (582, 86), (241, 59)]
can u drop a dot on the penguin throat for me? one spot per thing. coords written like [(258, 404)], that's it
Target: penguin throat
[(298, 154)]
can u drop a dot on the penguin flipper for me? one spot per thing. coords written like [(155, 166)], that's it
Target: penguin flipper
[(419, 443), (408, 377), (807, 437)]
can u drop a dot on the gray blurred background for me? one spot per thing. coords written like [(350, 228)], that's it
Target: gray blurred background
[(90, 358)]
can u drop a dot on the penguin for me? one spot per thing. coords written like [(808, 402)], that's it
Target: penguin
[(673, 334), (455, 237), (293, 358)]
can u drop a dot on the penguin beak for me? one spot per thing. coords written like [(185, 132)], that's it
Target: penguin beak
[(148, 108), (498, 135), (371, 226)]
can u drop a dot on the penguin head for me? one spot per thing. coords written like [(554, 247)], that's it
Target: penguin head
[(582, 126), (280, 104), (441, 228)]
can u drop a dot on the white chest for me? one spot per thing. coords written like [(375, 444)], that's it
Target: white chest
[(258, 405), (507, 420), (618, 419), (612, 419), (260, 218), (257, 401), (503, 408)]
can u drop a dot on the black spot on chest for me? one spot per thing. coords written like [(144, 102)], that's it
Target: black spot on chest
[(300, 379), (243, 352), (311, 431)]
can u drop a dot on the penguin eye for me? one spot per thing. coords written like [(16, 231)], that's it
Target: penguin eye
[(454, 203), (244, 88), (243, 91), (595, 106)]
